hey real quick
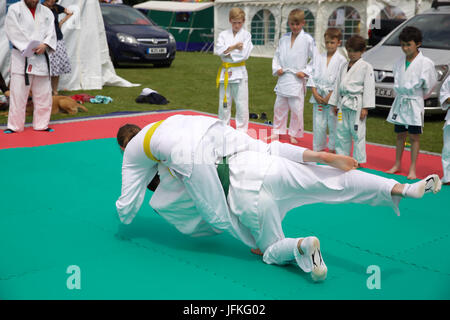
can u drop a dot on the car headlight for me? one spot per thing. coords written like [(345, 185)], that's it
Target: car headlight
[(126, 38), (171, 38), (441, 71)]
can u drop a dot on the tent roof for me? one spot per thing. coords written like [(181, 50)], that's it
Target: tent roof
[(174, 6), (276, 2)]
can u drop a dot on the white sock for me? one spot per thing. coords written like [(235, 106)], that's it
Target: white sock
[(415, 190)]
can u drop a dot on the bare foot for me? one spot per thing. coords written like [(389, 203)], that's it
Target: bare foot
[(411, 176), (256, 251), (340, 161), (394, 169), (293, 140)]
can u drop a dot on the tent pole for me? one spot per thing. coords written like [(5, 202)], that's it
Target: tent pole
[(190, 31)]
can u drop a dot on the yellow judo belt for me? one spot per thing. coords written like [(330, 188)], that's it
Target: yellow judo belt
[(148, 138), (226, 65)]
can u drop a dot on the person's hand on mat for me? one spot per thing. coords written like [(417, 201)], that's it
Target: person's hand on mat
[(280, 72), (256, 251), (300, 74), (40, 49), (364, 113)]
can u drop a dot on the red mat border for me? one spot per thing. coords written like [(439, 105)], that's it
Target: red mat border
[(379, 157)]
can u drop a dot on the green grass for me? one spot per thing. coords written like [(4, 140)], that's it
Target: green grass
[(190, 84)]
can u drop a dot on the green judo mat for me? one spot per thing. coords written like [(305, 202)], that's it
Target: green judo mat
[(60, 238)]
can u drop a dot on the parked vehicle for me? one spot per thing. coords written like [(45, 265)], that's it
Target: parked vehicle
[(435, 26), (380, 28), (132, 37)]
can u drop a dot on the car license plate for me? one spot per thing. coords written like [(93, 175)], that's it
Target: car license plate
[(156, 50), (384, 92)]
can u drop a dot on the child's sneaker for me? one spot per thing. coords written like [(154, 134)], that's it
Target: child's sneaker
[(432, 183), (311, 259)]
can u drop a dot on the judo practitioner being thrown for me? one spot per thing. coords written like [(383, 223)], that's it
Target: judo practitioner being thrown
[(263, 183)]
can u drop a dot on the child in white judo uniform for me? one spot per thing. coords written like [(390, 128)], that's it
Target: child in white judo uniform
[(191, 147), (25, 22), (444, 98), (262, 188), (233, 46), (322, 82), (292, 63), (414, 79), (353, 96)]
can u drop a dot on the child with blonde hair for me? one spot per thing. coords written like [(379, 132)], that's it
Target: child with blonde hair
[(233, 46)]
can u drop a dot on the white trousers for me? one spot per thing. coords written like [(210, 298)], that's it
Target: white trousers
[(42, 101), (446, 155), (281, 110), (323, 117), (237, 92), (204, 186), (345, 133), (290, 185)]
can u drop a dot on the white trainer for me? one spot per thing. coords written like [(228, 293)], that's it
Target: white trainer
[(432, 183), (311, 260)]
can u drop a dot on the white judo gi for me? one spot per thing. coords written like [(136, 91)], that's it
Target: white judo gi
[(411, 87), (190, 146), (290, 89), (354, 90), (444, 95), (21, 28), (237, 87), (263, 188), (323, 78)]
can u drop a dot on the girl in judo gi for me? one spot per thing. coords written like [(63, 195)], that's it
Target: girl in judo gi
[(292, 62), (353, 96), (444, 98), (233, 46), (30, 23), (322, 81), (414, 79)]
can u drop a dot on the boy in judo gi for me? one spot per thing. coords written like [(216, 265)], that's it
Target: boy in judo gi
[(260, 189), (444, 98), (233, 46), (322, 82), (25, 22), (292, 63), (414, 79), (353, 96)]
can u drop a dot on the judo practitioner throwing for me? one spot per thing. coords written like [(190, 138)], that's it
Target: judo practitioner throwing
[(213, 178)]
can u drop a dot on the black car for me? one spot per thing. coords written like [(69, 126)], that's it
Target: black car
[(380, 28), (134, 38)]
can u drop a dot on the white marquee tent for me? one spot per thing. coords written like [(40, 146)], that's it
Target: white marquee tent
[(267, 19), (85, 39)]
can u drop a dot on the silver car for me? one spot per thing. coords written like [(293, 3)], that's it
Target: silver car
[(435, 27)]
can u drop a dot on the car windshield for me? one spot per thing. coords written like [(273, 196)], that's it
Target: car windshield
[(123, 15), (435, 31)]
